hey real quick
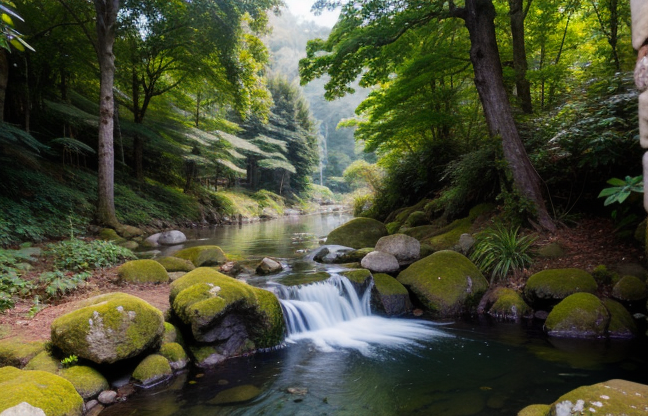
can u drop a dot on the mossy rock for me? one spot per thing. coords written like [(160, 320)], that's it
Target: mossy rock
[(53, 394), (238, 394), (621, 323), (426, 250), (551, 286), (630, 288), (175, 264), (152, 369), (296, 279), (358, 233), (535, 410), (18, 353), (393, 227), (613, 397), (108, 234), (44, 362), (481, 209), (581, 315), (109, 328), (508, 304), (420, 233), (131, 245), (631, 269), (551, 251), (203, 255), (171, 334), (389, 296), (142, 271), (416, 218), (87, 381), (128, 231), (603, 276), (446, 282), (450, 237), (359, 276), (353, 256), (175, 354)]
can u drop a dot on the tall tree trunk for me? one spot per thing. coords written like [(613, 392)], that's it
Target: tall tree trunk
[(106, 20), (517, 15), (484, 55), (4, 80)]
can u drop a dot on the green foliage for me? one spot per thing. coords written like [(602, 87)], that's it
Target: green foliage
[(69, 361), (57, 283), (621, 189), (78, 255), (11, 282), (500, 250)]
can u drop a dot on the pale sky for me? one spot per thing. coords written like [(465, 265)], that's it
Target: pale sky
[(301, 8)]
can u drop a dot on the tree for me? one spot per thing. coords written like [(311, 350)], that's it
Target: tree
[(517, 15), (356, 44)]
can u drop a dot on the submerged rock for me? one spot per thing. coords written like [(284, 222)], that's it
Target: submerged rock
[(581, 315), (238, 394), (358, 233), (268, 266)]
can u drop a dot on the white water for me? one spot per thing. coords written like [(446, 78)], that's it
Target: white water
[(331, 315)]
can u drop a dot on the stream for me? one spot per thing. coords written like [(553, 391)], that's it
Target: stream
[(340, 359)]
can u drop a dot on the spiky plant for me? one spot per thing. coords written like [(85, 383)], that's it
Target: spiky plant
[(501, 250)]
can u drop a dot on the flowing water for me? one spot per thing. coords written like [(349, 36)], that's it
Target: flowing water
[(342, 360)]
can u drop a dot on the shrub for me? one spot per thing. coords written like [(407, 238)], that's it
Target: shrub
[(57, 283), (500, 250), (77, 255)]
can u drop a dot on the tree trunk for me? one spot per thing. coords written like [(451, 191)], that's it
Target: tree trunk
[(4, 80), (519, 55), (484, 55), (106, 20)]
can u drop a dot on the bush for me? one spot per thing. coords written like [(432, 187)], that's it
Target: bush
[(56, 283), (78, 255), (501, 250)]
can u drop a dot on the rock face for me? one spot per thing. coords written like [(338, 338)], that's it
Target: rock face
[(358, 233), (268, 266), (581, 315), (505, 303), (53, 394), (406, 249), (630, 288), (142, 271), (203, 255), (445, 282), (109, 328), (226, 314), (175, 264), (389, 296), (551, 286), (152, 369), (380, 262), (172, 237)]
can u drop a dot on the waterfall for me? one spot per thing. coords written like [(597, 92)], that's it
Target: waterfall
[(331, 315)]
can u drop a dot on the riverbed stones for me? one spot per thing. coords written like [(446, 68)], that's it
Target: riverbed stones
[(629, 289), (203, 255), (389, 296), (175, 264), (53, 394), (152, 370), (107, 397), (581, 315), (268, 266), (446, 283), (169, 238), (142, 271), (551, 286), (380, 262), (406, 249), (358, 233), (108, 328)]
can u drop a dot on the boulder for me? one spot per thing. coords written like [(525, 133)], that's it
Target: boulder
[(171, 334), (446, 282), (23, 409), (108, 234), (358, 233), (169, 238), (581, 315), (131, 245), (175, 354), (415, 219), (505, 303), (128, 231), (152, 369), (448, 237), (360, 279), (142, 271), (152, 240), (380, 262), (629, 289), (268, 266), (53, 394), (621, 323), (175, 264), (631, 269), (551, 251), (87, 381), (238, 394), (330, 253), (406, 249), (535, 410), (18, 353), (108, 328), (466, 242), (44, 362), (551, 286), (353, 256), (203, 255), (389, 296)]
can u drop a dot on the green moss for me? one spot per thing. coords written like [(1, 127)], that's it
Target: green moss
[(175, 264), (416, 218), (535, 410), (387, 285), (557, 284), (509, 304), (17, 353), (87, 381), (630, 288), (422, 232), (446, 282), (621, 398), (202, 353), (295, 279), (171, 334), (236, 395), (357, 276), (551, 251), (143, 271), (202, 255), (393, 227), (581, 315), (621, 323), (354, 256), (43, 362), (153, 368), (108, 328), (358, 233), (451, 234), (481, 209), (268, 331), (55, 395), (204, 275), (173, 352), (426, 250), (603, 276), (108, 234)]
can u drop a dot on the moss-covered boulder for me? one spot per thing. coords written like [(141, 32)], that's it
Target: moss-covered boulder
[(548, 287), (416, 218), (581, 315), (171, 334), (44, 362), (630, 289), (152, 369), (203, 255), (449, 236), (358, 233), (109, 328), (17, 353), (226, 312), (389, 296), (53, 394), (621, 323), (535, 410), (175, 354), (446, 283), (360, 279), (406, 249), (296, 279), (108, 234), (238, 394), (551, 251), (353, 256), (87, 381), (142, 271), (505, 303), (175, 264)]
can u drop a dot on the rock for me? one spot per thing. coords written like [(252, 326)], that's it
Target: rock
[(535, 410), (91, 403), (152, 240), (142, 271), (426, 250), (238, 394), (631, 269), (176, 355), (551, 286), (226, 312), (551, 251), (43, 362), (203, 255), (169, 238), (173, 276), (406, 249), (448, 237), (629, 289), (358, 233), (446, 282), (128, 231), (353, 256), (108, 234), (360, 279), (152, 369), (542, 315), (18, 353), (466, 242), (171, 334), (295, 279), (380, 262), (581, 315), (95, 410), (87, 381), (131, 245), (268, 266), (621, 323), (393, 227), (415, 219), (23, 409), (175, 264), (107, 397), (505, 303), (53, 394), (389, 296), (330, 253), (108, 328)]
